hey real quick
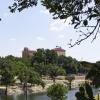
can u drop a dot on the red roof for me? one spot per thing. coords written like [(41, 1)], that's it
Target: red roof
[(59, 49)]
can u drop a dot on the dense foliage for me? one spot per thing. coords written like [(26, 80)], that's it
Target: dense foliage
[(94, 75), (13, 69), (57, 92), (85, 93), (44, 58), (44, 63), (47, 63)]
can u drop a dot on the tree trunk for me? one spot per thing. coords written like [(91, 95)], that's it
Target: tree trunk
[(6, 91), (70, 87), (98, 96), (25, 90), (54, 80)]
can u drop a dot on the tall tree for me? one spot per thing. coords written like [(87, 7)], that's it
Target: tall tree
[(45, 56), (55, 71), (7, 73), (51, 56), (71, 65), (28, 75), (39, 56), (42, 69)]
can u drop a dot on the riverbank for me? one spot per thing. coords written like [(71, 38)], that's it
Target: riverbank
[(18, 89)]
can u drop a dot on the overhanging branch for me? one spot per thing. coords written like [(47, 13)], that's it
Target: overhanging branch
[(94, 32)]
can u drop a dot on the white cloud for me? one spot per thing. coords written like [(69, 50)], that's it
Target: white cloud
[(46, 12), (12, 39), (40, 38), (59, 25)]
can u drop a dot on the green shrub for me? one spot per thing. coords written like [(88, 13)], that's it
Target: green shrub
[(57, 92)]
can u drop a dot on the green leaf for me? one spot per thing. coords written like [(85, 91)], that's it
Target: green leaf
[(89, 91), (85, 22)]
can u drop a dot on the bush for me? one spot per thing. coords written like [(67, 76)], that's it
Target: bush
[(57, 92)]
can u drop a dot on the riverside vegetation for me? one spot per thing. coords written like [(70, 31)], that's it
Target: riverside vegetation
[(46, 63)]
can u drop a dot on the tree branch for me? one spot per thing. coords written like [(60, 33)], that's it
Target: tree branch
[(87, 35)]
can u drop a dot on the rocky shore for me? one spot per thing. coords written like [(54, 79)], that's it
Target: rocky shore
[(36, 88)]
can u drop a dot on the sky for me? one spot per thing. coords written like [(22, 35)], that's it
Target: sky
[(34, 28)]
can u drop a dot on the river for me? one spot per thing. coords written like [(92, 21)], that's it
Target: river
[(70, 96)]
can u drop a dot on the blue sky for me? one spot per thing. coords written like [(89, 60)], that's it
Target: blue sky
[(34, 28)]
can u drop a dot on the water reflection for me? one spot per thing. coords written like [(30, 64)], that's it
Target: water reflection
[(70, 95)]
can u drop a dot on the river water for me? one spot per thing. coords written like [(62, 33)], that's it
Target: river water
[(70, 96)]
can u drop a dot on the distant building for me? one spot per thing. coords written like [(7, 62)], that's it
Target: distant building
[(26, 53), (59, 51)]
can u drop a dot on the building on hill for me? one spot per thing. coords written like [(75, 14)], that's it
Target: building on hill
[(59, 51), (26, 53)]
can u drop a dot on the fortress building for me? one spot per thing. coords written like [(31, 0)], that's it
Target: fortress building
[(26, 53), (59, 51)]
